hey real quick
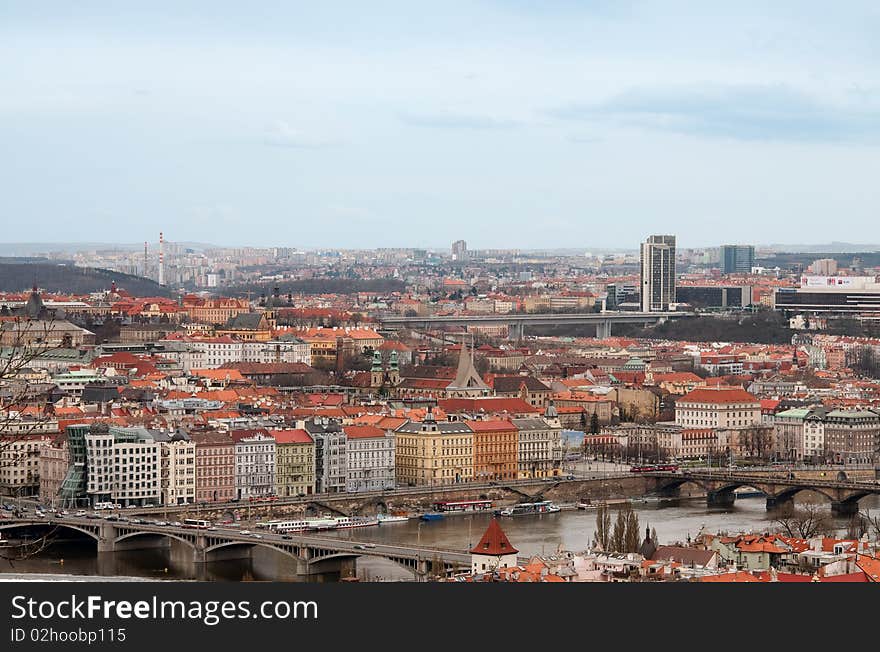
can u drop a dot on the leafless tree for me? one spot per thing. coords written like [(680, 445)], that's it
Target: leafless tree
[(602, 537), (804, 522)]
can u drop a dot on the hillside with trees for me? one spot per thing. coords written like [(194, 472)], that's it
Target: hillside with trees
[(66, 279)]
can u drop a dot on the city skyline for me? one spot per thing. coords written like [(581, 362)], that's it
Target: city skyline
[(339, 127)]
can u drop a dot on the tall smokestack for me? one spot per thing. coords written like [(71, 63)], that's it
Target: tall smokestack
[(161, 259), (145, 259)]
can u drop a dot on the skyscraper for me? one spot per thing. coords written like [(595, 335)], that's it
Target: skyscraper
[(658, 273), (737, 259), (459, 250)]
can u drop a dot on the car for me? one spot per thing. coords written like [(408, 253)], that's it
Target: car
[(63, 512), (359, 547), (160, 523), (245, 532), (256, 536), (369, 545), (111, 517), (80, 512), (123, 519), (286, 536), (40, 514), (176, 524), (212, 528), (93, 515)]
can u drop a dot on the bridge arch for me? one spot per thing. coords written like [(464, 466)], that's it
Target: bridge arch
[(790, 492), (166, 535), (251, 544), (49, 524)]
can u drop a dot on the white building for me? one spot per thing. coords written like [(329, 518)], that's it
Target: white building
[(123, 466), (254, 463), (539, 443), (370, 464), (178, 467)]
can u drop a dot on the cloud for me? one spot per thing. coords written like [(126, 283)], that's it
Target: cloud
[(281, 134), (744, 112), (456, 121)]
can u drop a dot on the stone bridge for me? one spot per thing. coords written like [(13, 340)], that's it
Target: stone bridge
[(314, 555), (780, 489)]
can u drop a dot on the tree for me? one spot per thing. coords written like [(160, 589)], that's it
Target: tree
[(618, 535), (594, 424), (602, 537), (804, 522), (632, 534), (654, 538)]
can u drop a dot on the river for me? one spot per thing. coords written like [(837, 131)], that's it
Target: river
[(570, 530)]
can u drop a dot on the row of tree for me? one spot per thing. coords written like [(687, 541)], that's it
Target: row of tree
[(621, 537)]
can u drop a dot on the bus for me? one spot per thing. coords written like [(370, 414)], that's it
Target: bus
[(463, 506), (196, 523)]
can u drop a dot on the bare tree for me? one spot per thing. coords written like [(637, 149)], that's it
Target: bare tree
[(618, 535), (804, 522)]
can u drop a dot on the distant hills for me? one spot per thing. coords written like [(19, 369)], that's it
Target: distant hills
[(65, 279)]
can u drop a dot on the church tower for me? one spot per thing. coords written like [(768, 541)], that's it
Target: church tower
[(393, 369), (377, 374)]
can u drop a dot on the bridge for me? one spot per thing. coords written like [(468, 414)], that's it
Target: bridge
[(779, 488), (314, 555), (516, 323)]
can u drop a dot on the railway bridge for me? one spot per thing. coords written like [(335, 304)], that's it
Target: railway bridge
[(780, 489)]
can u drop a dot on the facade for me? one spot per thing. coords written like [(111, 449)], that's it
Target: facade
[(54, 462), (294, 463), (371, 460), (737, 259), (178, 467), (254, 464), (852, 436), (331, 459), (540, 449), (123, 466), (20, 464), (658, 273), (529, 389), (433, 453), (215, 467), (496, 449), (717, 408)]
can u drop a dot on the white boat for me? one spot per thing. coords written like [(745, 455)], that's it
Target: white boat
[(582, 505), (523, 509), (391, 518)]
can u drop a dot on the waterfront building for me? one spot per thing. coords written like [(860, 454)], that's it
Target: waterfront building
[(215, 466), (254, 463), (178, 467), (331, 459), (430, 453), (294, 462), (371, 462), (494, 551)]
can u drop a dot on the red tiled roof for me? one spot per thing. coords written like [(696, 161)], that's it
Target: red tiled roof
[(363, 432), (297, 436), (494, 542), (719, 395)]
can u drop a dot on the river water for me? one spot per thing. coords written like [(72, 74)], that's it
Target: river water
[(570, 530)]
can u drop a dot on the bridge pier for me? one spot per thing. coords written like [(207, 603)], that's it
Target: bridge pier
[(603, 329), (720, 498), (844, 508), (780, 502)]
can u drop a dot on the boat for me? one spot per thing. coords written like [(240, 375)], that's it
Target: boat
[(391, 518), (431, 516), (525, 509), (319, 523), (583, 505)]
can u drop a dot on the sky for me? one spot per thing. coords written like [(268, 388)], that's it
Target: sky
[(511, 124)]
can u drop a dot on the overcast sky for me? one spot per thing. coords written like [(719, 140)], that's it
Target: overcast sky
[(509, 124)]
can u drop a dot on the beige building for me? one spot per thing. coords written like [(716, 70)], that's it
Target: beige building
[(54, 462), (177, 454), (294, 463), (717, 408), (20, 464), (433, 453)]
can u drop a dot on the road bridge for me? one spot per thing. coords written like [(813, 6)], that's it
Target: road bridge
[(516, 323), (314, 555)]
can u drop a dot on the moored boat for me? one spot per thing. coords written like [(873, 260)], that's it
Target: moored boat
[(431, 516)]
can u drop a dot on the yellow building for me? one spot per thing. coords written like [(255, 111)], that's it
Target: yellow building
[(429, 453), (294, 463)]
